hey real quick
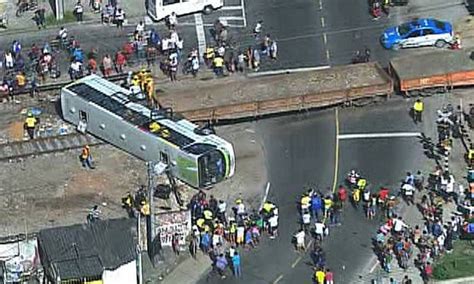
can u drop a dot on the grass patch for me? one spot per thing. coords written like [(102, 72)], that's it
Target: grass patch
[(457, 264), (68, 18)]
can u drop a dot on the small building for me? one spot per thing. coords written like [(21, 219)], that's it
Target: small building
[(103, 252)]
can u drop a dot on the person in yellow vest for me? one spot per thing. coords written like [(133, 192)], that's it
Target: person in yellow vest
[(207, 214), (327, 206), (145, 208), (470, 156), (361, 184), (135, 81), (150, 91), (142, 78), (268, 207), (86, 157), (154, 127), (20, 80), (200, 223), (209, 56), (218, 64), (418, 111), (30, 124), (356, 196), (305, 202)]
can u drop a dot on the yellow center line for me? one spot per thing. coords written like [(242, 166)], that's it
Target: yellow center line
[(336, 162)]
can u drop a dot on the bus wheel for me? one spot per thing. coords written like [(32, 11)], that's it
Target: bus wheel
[(207, 10)]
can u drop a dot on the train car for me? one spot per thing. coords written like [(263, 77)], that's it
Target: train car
[(105, 110)]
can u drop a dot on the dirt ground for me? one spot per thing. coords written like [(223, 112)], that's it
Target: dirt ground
[(53, 189)]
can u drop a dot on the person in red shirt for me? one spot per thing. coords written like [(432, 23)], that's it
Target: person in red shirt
[(342, 194), (329, 277), (127, 49), (92, 65), (427, 272), (120, 61), (383, 194)]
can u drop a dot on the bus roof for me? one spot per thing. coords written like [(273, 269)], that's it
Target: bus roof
[(115, 99)]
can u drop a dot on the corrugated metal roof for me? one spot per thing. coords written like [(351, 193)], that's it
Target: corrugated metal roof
[(87, 249)]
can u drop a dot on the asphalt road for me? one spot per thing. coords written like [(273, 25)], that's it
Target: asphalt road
[(300, 150)]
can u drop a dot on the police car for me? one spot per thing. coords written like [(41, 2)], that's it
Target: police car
[(421, 32)]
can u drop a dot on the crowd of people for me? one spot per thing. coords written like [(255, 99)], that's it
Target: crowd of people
[(221, 235)]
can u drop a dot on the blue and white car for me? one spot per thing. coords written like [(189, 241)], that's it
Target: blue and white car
[(421, 32)]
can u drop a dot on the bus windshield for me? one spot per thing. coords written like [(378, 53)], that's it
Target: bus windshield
[(212, 168)]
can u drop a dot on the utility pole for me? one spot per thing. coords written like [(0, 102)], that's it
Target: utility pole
[(59, 9), (151, 190), (139, 248)]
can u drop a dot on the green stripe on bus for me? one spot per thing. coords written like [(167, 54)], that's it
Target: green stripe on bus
[(227, 162)]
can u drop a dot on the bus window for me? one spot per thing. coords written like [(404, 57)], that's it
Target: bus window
[(83, 115), (164, 158), (170, 2), (211, 168)]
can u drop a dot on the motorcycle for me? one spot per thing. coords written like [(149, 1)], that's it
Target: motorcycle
[(352, 179)]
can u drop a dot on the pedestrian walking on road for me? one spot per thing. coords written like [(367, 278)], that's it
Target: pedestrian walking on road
[(86, 157), (236, 265), (78, 11), (418, 111)]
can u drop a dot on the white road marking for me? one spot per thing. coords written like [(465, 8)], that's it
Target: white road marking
[(231, 8), (373, 267), (378, 135), (231, 18), (201, 36), (242, 3), (320, 5), (278, 279), (323, 24), (325, 38), (328, 55), (265, 196)]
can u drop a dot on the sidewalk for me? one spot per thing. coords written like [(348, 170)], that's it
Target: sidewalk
[(135, 11)]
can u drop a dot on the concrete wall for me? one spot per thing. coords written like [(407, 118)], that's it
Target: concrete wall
[(125, 274)]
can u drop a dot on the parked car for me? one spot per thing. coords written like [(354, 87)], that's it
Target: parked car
[(420, 32)]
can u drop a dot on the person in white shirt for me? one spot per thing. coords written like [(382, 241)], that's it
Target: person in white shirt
[(300, 242), (172, 20), (221, 211), (195, 65), (319, 228), (409, 193), (62, 33), (305, 220), (273, 226), (399, 225), (140, 28)]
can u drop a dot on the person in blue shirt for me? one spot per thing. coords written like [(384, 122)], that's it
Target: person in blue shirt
[(236, 265), (316, 206), (205, 241), (78, 55)]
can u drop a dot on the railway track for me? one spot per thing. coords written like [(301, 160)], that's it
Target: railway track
[(39, 146)]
